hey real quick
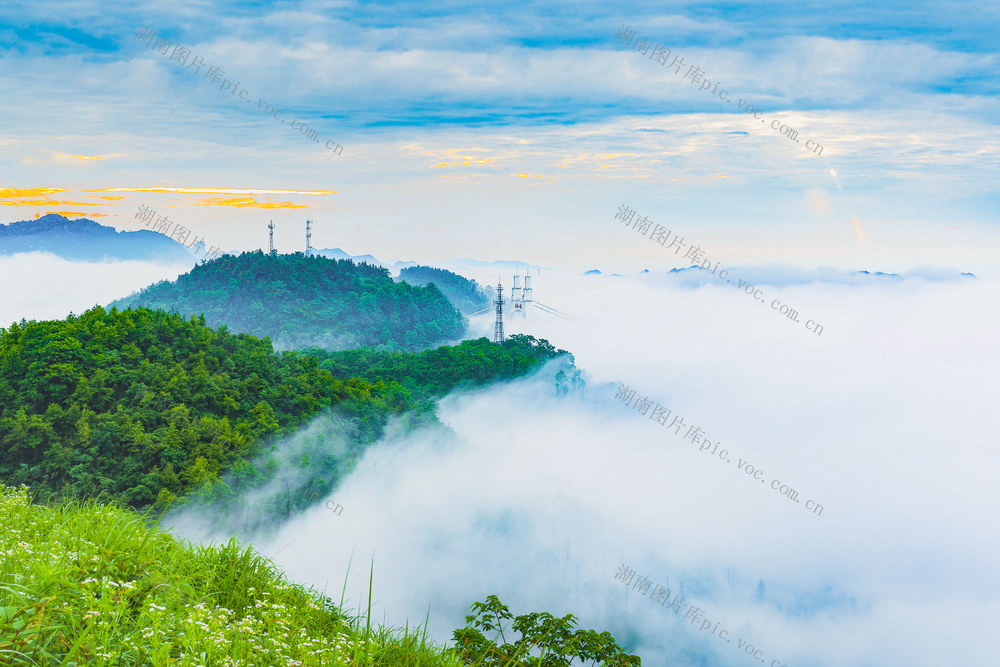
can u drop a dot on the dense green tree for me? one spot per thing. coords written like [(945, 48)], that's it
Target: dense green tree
[(301, 301), (438, 371), (545, 641), (148, 407), (466, 295)]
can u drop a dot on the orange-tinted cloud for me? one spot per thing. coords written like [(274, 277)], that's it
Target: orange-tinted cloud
[(80, 157), (111, 198), (218, 191), (248, 202), (466, 161), (47, 202), (28, 192)]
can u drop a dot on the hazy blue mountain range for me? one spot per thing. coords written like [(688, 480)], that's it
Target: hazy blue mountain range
[(86, 240), (337, 253), (693, 276)]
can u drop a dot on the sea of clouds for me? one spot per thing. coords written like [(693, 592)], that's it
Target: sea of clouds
[(539, 497)]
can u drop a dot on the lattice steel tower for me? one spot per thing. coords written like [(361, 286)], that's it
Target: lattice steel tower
[(498, 330), (308, 236), (270, 237)]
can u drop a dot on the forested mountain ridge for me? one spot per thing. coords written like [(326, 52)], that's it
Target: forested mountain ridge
[(87, 240), (145, 405), (467, 295), (304, 301), (436, 372), (135, 402)]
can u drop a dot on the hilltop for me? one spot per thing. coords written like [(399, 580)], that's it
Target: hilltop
[(303, 301)]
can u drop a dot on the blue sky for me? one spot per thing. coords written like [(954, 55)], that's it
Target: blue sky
[(559, 123), (517, 132)]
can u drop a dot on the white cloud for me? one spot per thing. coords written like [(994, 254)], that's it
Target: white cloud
[(50, 287), (538, 499)]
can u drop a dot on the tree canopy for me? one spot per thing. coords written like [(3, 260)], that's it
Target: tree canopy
[(302, 301), (144, 405), (466, 295)]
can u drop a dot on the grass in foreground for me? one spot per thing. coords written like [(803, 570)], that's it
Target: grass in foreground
[(83, 583)]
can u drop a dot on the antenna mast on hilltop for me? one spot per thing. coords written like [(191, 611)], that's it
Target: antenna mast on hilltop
[(308, 236), (498, 329), (270, 237)]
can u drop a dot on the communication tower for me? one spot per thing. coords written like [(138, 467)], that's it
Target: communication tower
[(498, 329)]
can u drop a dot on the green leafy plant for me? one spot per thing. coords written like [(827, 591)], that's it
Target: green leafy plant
[(546, 641)]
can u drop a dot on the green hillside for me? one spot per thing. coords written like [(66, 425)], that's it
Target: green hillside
[(146, 406), (436, 372), (466, 295), (301, 301)]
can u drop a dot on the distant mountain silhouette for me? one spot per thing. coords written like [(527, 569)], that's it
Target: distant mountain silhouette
[(337, 253), (880, 274), (87, 240)]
